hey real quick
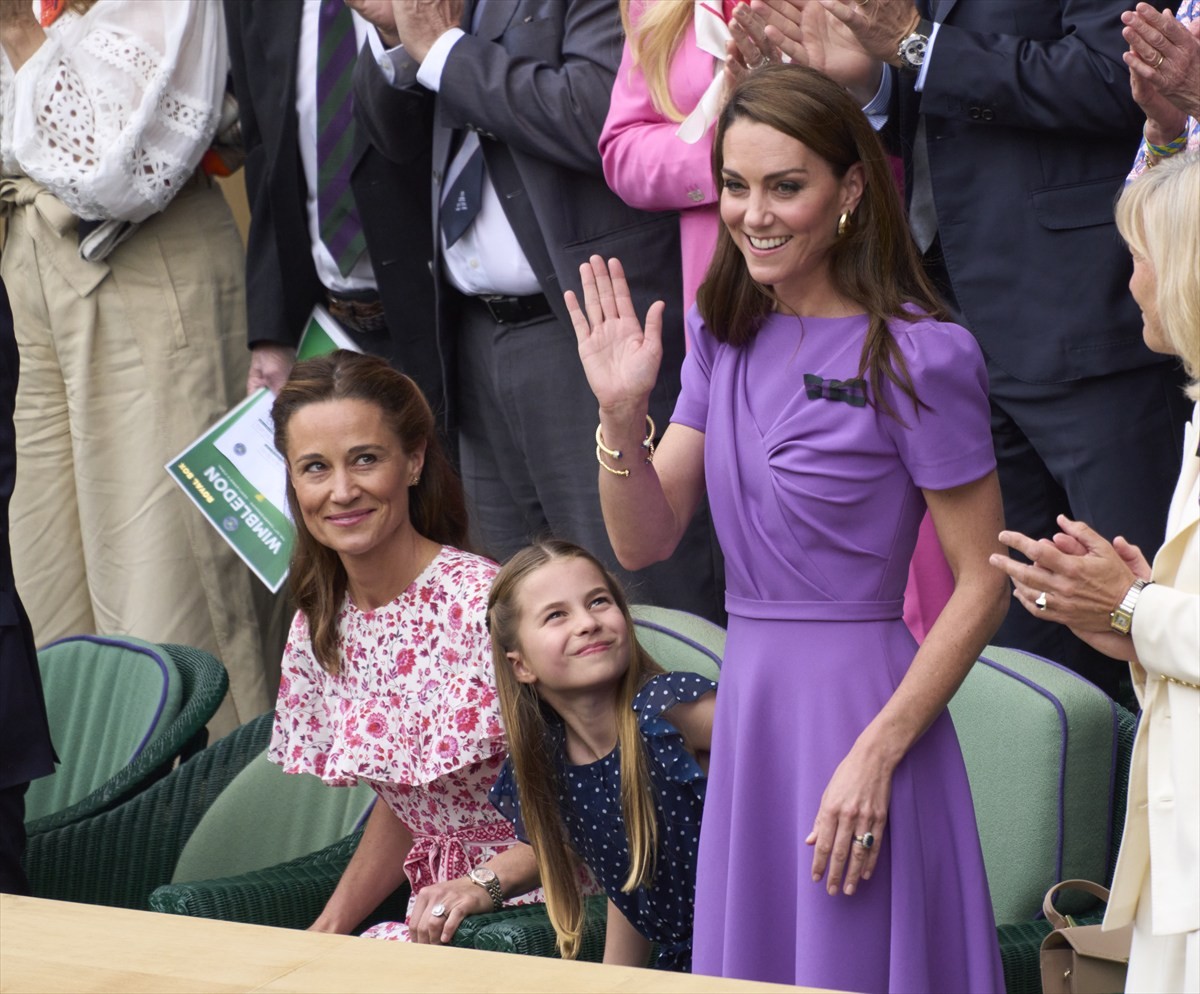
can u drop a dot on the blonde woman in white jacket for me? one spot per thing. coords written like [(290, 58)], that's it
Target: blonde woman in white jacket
[(1111, 597)]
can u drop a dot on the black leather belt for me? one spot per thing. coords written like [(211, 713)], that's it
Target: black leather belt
[(359, 310), (515, 310)]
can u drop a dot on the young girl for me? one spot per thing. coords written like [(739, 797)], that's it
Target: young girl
[(608, 754)]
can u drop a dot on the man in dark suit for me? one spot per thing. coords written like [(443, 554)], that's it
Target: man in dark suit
[(384, 299), (520, 92), (25, 749), (1017, 128)]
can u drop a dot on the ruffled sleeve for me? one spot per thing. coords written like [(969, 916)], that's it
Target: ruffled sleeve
[(949, 442), (416, 696), (664, 743), (115, 109)]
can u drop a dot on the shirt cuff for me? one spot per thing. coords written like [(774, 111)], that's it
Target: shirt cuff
[(920, 84), (877, 108), (430, 73)]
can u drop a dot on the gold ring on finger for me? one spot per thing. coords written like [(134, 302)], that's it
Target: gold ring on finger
[(1155, 65), (866, 840)]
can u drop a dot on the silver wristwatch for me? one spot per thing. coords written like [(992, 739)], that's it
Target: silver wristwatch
[(1121, 620), (488, 880), (914, 46)]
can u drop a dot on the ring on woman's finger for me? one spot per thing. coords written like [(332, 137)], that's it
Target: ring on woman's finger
[(1155, 65), (866, 840), (764, 61), (1041, 601), (438, 911)]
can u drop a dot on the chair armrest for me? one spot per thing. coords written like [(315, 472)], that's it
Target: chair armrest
[(118, 857), (526, 929), (288, 895)]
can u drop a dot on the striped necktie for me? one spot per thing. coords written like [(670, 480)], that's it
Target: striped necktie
[(340, 226)]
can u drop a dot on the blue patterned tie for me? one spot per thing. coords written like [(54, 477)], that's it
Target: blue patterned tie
[(340, 225)]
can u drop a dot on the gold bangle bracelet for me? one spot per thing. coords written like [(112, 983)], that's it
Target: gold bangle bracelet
[(604, 450), (604, 465)]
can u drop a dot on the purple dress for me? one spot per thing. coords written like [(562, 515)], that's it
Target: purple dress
[(816, 499)]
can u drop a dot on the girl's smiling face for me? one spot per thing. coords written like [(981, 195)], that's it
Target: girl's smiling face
[(572, 637)]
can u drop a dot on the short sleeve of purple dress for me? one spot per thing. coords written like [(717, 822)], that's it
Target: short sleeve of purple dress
[(816, 497)]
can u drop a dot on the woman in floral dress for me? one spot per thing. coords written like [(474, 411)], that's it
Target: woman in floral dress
[(387, 675)]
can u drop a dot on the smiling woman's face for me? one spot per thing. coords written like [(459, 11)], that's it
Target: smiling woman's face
[(351, 476), (781, 203)]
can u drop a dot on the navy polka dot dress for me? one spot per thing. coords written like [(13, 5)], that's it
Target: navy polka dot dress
[(590, 797)]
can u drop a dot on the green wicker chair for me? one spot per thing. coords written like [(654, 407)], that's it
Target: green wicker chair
[(119, 856), (1047, 754), (268, 850), (122, 711)]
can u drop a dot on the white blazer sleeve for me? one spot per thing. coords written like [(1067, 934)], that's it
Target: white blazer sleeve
[(1166, 633)]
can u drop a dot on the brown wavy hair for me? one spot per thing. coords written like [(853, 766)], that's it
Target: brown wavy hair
[(535, 764), (875, 264), (436, 505)]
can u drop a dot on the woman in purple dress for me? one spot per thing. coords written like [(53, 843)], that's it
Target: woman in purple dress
[(826, 403)]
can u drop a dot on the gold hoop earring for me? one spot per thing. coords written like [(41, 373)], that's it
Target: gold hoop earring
[(843, 224)]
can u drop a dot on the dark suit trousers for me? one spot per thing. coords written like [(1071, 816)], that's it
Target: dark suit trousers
[(527, 423), (1104, 450)]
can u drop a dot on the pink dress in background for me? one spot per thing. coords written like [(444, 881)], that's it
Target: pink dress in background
[(650, 168), (413, 713)]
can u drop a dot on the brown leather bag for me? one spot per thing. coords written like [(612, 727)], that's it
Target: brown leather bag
[(1081, 959)]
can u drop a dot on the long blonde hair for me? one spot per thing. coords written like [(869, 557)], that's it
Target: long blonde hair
[(653, 40), (1157, 216), (536, 764)]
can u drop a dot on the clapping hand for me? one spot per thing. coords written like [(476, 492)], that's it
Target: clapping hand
[(808, 34), (620, 358), (1164, 69)]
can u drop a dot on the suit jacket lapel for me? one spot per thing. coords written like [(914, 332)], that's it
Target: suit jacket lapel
[(941, 8), (279, 29)]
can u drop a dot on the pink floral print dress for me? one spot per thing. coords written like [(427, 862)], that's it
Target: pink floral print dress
[(413, 713)]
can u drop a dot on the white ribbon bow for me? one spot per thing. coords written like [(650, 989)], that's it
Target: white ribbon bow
[(711, 35)]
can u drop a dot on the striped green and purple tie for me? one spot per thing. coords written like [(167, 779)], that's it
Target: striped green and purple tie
[(340, 225)]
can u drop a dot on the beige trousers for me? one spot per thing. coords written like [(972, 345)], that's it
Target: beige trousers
[(123, 364)]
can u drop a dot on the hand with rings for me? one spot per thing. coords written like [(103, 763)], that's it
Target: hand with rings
[(850, 822), (1164, 63), (1075, 578), (749, 47), (440, 907)]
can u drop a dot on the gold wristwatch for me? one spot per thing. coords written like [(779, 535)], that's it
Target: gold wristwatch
[(1121, 620), (488, 880)]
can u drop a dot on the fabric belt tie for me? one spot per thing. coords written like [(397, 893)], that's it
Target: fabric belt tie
[(748, 607), (444, 857), (50, 222)]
